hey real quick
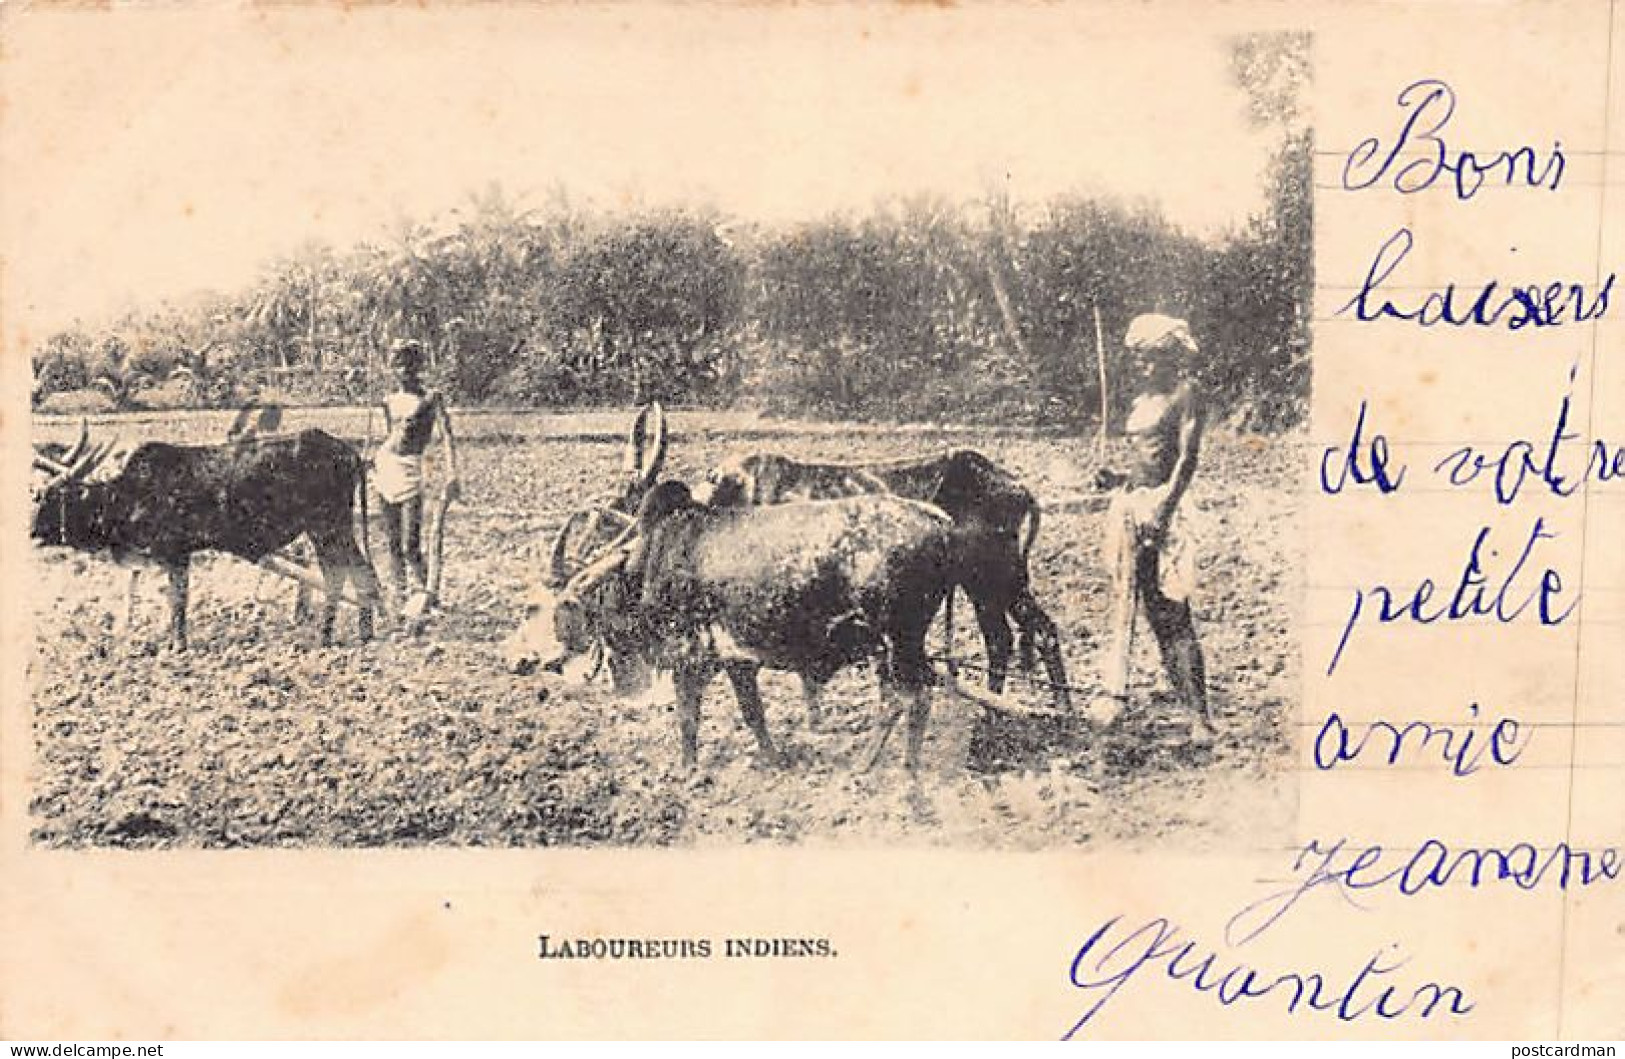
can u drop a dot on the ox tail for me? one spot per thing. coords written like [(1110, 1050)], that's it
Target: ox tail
[(1032, 529), (1026, 650), (366, 522)]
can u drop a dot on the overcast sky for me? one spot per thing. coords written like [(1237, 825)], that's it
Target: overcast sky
[(150, 154)]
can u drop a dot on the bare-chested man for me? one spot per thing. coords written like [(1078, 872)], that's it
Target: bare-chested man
[(1147, 543), (410, 417)]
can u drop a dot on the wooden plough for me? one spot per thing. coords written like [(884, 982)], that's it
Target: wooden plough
[(305, 577), (1009, 735), (995, 702)]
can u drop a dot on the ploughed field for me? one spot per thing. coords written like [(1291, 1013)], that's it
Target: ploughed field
[(259, 737)]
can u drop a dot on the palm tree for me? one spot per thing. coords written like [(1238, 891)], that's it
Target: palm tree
[(287, 305)]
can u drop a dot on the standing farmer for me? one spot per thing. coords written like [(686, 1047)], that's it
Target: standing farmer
[(1146, 541), (410, 416)]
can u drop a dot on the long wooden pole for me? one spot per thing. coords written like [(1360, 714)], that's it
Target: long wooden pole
[(285, 567), (1100, 360)]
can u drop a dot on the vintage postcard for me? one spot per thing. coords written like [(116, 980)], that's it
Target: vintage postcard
[(1082, 520)]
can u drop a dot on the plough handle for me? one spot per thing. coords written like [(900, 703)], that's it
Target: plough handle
[(286, 567)]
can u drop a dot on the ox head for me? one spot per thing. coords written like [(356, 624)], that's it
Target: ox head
[(571, 614), (565, 617), (761, 478), (598, 607), (591, 528), (58, 475), (559, 625), (732, 483)]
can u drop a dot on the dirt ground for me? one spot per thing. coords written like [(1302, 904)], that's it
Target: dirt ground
[(258, 737)]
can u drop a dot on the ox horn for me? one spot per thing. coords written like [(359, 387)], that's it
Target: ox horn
[(557, 569), (75, 470), (623, 538), (88, 462), (93, 459), (657, 456), (72, 455), (611, 559), (646, 448), (60, 466), (79, 446)]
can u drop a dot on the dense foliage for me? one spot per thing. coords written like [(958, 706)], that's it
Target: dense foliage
[(922, 309)]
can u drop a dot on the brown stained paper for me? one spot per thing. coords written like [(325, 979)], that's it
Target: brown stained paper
[(192, 843)]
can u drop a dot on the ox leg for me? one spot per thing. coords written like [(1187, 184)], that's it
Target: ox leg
[(130, 598), (892, 706), (365, 579), (996, 636), (341, 563), (812, 696), (1026, 648), (302, 609), (1038, 630), (743, 678), (330, 606), (919, 715), (179, 576), (913, 677), (900, 697), (328, 558), (690, 687)]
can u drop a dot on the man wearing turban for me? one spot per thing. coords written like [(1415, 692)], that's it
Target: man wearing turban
[(1147, 542)]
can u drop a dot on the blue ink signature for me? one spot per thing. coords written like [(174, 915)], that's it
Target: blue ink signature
[(1105, 963), (1432, 864), (1334, 744), (1520, 459), (1471, 598), (1431, 104), (1553, 305)]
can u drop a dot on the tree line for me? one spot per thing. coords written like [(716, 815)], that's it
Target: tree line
[(919, 309)]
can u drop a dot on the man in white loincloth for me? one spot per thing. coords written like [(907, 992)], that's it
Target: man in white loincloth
[(1147, 541), (410, 416)]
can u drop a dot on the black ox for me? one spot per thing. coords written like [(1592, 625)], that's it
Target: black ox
[(987, 504), (997, 515), (248, 498), (808, 588)]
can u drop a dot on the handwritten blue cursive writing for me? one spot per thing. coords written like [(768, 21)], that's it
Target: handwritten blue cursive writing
[(1473, 597), (1461, 750), (1536, 306), (1433, 864), (1521, 459), (1115, 953), (1338, 465), (1430, 104)]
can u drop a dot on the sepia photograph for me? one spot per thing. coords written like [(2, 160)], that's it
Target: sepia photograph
[(683, 435)]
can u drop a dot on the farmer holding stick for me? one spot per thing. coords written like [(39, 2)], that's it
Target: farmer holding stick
[(1147, 543), (410, 417)]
